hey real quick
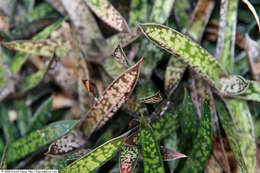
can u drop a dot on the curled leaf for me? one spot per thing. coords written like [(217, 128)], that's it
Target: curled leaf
[(152, 99), (234, 85), (105, 10), (111, 100), (128, 158), (67, 143), (168, 154), (121, 57), (252, 9)]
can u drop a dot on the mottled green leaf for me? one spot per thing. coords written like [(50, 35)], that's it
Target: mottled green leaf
[(152, 158), (188, 121), (173, 74), (20, 58), (139, 12), (167, 121), (34, 79), (42, 115), (106, 12), (96, 158), (161, 10), (189, 51), (252, 93), (111, 100), (226, 43), (232, 131), (180, 11), (37, 139), (41, 47), (201, 144), (3, 162), (128, 158), (234, 85)]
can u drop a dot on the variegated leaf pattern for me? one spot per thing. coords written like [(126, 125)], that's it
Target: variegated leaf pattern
[(139, 12), (252, 92), (168, 154), (96, 157), (42, 47), (174, 72), (234, 85), (111, 100), (152, 158), (152, 99), (128, 158), (105, 11), (67, 143), (201, 144), (161, 10), (37, 139), (121, 57), (190, 52)]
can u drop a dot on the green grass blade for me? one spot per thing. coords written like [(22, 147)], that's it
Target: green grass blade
[(96, 158), (201, 145), (38, 139), (152, 158), (24, 116)]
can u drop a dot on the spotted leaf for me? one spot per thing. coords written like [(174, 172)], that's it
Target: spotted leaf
[(201, 144), (96, 158), (67, 143), (128, 158), (37, 139), (190, 52), (234, 85), (106, 12), (41, 47), (111, 100), (121, 57), (152, 158)]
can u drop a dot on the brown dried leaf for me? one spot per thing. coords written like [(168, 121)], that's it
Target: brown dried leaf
[(67, 143), (168, 154), (114, 96)]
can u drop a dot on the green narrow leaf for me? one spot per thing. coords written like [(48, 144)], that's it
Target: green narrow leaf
[(20, 58), (9, 129), (182, 16), (188, 121), (191, 53), (128, 158), (232, 132), (138, 12), (37, 139), (41, 47), (167, 121), (152, 158), (42, 115), (24, 116), (226, 41), (96, 158), (201, 145), (252, 93), (111, 100), (161, 10), (3, 163), (106, 12), (34, 79)]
